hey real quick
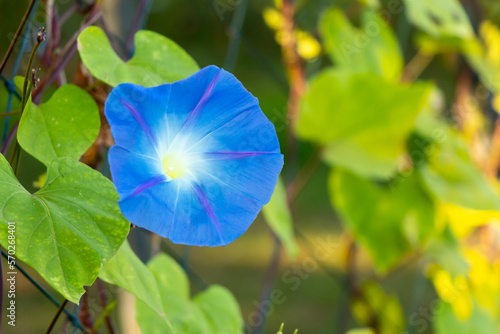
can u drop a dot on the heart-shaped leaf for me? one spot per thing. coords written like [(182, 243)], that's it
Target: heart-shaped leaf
[(213, 311), (64, 126), (362, 131), (452, 176), (66, 230), (157, 59), (389, 222), (126, 270), (163, 303)]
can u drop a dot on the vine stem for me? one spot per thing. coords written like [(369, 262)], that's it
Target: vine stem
[(350, 285), (10, 113), (267, 285), (141, 13), (296, 77), (104, 304), (56, 316), (16, 36), (416, 67), (16, 152), (298, 183)]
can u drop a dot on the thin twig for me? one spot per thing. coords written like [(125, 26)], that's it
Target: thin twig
[(137, 21), (69, 50), (10, 137), (67, 14), (235, 36), (350, 287), (10, 113), (84, 314), (56, 316), (416, 67), (16, 36), (298, 183)]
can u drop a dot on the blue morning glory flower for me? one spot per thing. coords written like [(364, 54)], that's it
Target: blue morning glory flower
[(194, 161)]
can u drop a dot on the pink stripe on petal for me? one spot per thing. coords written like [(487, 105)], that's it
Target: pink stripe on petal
[(148, 184), (142, 122), (206, 206), (235, 155), (196, 112)]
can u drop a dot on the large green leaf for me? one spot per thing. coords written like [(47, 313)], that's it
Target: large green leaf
[(66, 230), (364, 131), (64, 126), (278, 217), (126, 270), (157, 59), (451, 175), (373, 48), (389, 222), (212, 311)]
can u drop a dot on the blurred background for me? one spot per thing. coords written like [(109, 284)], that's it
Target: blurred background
[(386, 112)]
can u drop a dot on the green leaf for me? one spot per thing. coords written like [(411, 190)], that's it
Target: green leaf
[(157, 59), (389, 222), (126, 270), (212, 311), (372, 48), (66, 230), (440, 19), (444, 250), (220, 309), (451, 175), (19, 83), (64, 126), (279, 219), (446, 322), (363, 131)]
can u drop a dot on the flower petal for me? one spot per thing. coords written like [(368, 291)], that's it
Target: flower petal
[(224, 100), (146, 120), (132, 172)]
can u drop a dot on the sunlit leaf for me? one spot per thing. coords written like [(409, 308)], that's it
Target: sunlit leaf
[(64, 126), (444, 250), (451, 175), (66, 230), (444, 18), (278, 216), (363, 131), (388, 221), (126, 270), (157, 59), (371, 48), (212, 311), (446, 322)]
